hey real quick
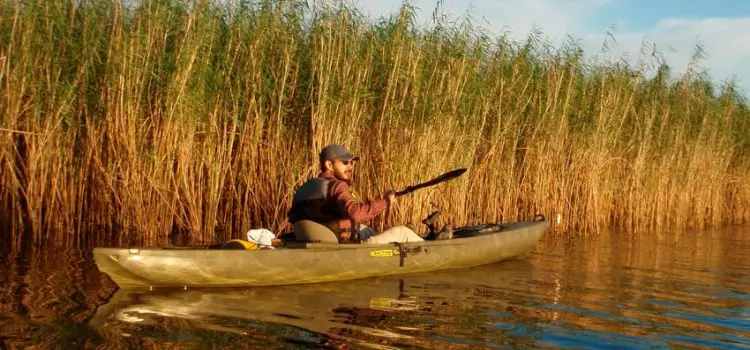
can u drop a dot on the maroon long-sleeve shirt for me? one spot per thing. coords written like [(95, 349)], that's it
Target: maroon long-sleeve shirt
[(351, 209)]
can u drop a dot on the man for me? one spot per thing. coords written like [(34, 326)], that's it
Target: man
[(327, 199)]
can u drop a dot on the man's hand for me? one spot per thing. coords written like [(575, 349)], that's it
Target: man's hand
[(390, 197)]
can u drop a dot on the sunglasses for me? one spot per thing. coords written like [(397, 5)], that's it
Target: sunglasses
[(346, 162)]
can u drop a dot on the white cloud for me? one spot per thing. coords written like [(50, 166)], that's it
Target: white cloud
[(518, 17), (724, 39)]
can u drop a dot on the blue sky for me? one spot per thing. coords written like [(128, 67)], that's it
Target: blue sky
[(675, 27), (643, 14)]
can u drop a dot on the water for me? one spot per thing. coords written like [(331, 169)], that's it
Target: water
[(615, 290)]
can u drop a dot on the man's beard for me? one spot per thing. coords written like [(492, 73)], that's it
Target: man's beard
[(346, 176)]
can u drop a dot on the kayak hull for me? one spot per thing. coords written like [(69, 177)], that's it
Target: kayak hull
[(310, 263)]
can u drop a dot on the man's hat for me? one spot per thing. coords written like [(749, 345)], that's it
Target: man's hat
[(336, 152)]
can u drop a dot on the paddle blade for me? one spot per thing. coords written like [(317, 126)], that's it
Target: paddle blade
[(442, 178)]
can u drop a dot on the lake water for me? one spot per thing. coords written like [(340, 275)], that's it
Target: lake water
[(610, 290)]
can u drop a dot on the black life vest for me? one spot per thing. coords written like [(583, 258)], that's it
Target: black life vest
[(312, 202)]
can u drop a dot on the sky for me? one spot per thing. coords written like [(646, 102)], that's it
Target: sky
[(674, 27)]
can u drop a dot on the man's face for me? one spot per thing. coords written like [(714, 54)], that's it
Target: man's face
[(341, 169)]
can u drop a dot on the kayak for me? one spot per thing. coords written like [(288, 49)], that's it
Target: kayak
[(302, 262)]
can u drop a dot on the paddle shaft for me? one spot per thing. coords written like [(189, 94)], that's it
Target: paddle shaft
[(442, 178)]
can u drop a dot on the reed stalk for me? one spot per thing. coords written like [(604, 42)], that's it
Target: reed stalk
[(189, 122)]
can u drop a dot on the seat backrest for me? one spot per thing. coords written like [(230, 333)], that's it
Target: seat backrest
[(311, 231)]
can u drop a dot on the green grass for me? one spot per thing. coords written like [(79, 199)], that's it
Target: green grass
[(158, 119)]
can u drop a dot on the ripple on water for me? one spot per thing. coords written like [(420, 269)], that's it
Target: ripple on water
[(586, 292)]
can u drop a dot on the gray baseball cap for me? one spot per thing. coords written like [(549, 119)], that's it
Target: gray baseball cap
[(336, 152)]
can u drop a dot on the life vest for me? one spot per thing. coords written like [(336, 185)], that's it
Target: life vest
[(311, 202), (312, 190)]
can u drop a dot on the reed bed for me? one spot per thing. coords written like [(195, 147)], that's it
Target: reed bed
[(174, 122)]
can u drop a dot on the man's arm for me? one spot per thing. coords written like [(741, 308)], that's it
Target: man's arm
[(357, 211)]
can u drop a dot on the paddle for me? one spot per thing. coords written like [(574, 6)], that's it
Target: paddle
[(442, 178)]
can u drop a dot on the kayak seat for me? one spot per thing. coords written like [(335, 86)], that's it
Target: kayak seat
[(311, 231)]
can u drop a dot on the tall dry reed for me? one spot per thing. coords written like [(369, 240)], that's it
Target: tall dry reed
[(170, 122)]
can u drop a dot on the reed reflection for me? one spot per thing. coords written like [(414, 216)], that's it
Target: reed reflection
[(646, 290), (46, 295)]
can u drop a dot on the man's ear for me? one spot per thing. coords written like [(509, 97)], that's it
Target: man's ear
[(329, 165)]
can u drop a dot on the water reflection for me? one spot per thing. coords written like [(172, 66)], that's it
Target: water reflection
[(377, 312), (47, 296), (676, 290)]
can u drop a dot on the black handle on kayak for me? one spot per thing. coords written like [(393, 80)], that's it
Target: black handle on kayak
[(442, 178)]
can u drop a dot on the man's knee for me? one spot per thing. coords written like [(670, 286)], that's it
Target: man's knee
[(405, 234)]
